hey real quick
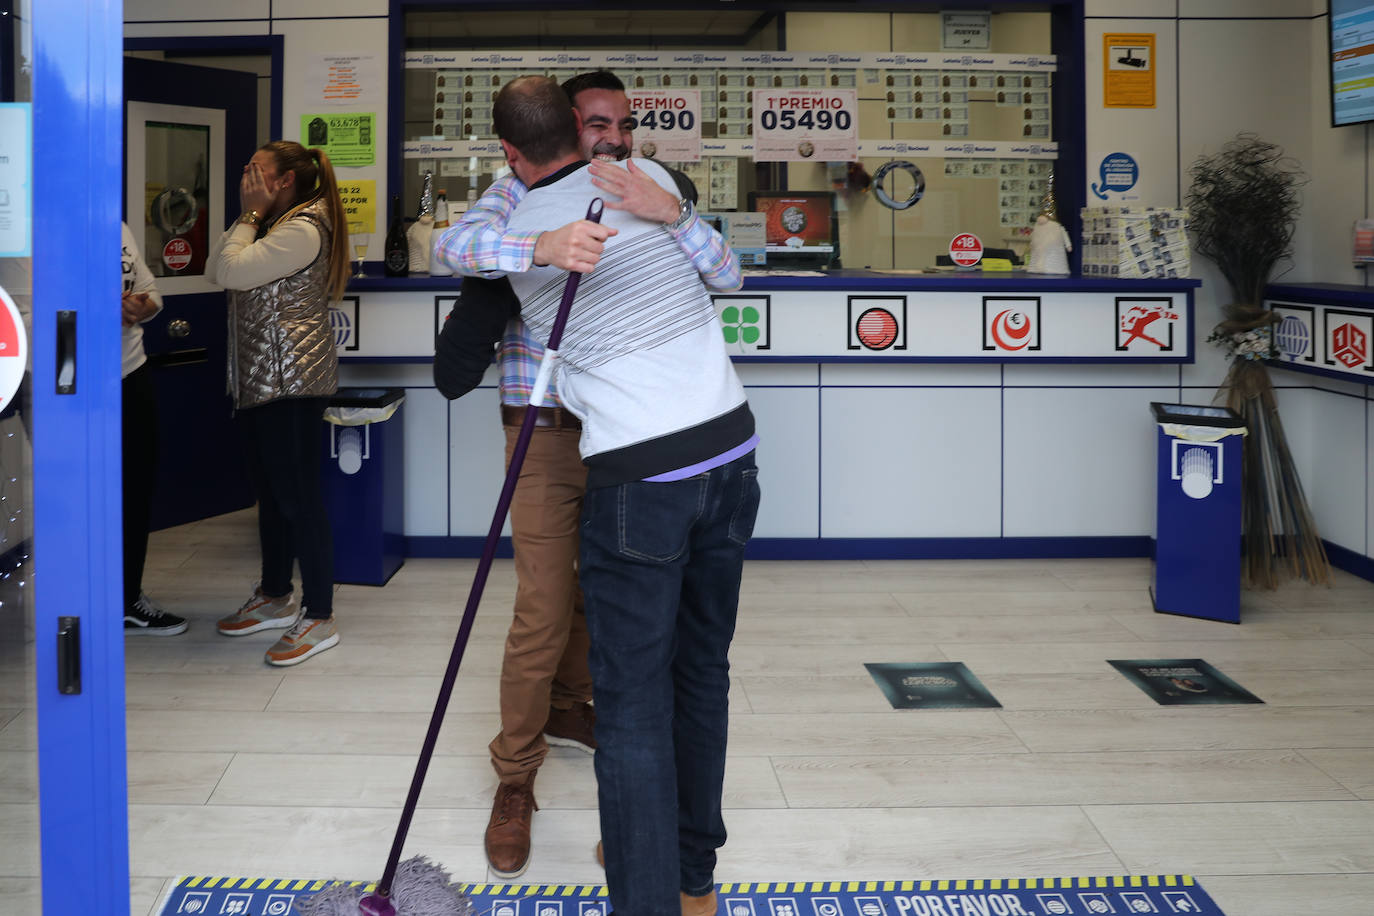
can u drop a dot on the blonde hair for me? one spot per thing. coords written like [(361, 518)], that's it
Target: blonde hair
[(315, 182)]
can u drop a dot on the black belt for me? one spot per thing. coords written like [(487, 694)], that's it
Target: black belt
[(552, 417)]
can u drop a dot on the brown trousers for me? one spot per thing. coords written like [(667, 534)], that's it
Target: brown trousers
[(546, 649)]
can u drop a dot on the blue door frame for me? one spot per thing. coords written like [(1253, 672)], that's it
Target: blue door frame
[(77, 90)]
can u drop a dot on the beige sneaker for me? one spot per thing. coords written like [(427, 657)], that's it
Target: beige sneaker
[(310, 636), (260, 613)]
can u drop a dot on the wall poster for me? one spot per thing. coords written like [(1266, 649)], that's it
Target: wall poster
[(1128, 70)]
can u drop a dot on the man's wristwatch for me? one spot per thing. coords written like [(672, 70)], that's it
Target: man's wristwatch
[(250, 218), (684, 212)]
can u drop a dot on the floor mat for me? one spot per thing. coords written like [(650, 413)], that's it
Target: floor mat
[(1170, 895)]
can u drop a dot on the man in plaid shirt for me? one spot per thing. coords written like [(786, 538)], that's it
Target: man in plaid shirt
[(545, 684)]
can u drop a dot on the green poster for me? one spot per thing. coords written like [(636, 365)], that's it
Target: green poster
[(349, 139)]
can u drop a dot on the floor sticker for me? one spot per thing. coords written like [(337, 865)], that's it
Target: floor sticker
[(1165, 895), (1182, 681), (930, 685)]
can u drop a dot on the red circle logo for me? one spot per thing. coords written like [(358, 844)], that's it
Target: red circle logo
[(176, 254), (1011, 330), (965, 249), (876, 329)]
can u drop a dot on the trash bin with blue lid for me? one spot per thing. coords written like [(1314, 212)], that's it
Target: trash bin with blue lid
[(1197, 531), (364, 483)]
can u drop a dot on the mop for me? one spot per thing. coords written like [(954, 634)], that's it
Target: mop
[(418, 887)]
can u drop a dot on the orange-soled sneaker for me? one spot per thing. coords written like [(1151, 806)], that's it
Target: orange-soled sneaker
[(310, 636), (260, 613)]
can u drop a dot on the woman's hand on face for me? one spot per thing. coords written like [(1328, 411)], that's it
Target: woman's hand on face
[(254, 193)]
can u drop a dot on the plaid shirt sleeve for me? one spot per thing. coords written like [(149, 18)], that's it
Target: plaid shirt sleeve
[(713, 259), (478, 245)]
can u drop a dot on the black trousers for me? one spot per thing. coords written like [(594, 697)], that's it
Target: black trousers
[(140, 472), (282, 446)]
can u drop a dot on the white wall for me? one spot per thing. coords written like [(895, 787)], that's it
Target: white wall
[(309, 30), (1257, 66)]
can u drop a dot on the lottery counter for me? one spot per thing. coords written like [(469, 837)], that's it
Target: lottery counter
[(900, 415)]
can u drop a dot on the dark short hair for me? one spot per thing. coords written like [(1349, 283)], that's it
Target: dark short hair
[(596, 79), (533, 115)]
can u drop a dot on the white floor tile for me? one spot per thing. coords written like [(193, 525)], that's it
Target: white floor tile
[(240, 769)]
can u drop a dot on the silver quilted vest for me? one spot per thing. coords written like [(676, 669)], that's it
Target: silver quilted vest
[(281, 344)]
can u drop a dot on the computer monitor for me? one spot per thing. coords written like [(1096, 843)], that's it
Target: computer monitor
[(799, 227)]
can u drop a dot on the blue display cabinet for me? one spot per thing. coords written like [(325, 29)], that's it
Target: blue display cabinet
[(1197, 531)]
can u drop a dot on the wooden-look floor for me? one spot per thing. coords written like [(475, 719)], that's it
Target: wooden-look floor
[(236, 768)]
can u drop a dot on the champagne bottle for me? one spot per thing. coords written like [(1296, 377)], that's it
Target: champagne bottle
[(438, 268), (397, 249), (418, 235)]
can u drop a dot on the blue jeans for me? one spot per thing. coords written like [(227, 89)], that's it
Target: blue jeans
[(660, 571)]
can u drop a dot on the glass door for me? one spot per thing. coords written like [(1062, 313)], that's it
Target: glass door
[(63, 808), (19, 859)]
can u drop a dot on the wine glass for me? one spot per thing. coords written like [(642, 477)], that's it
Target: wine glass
[(360, 242)]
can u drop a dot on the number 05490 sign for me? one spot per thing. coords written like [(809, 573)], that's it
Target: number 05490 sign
[(797, 125)]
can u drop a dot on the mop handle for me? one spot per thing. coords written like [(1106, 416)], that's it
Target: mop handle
[(479, 581)]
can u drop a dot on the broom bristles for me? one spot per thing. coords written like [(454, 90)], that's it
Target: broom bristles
[(1279, 535), (421, 888)]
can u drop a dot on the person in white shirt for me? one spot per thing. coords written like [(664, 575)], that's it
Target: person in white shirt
[(139, 302)]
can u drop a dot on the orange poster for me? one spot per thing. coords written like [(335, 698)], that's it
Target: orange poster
[(1128, 70)]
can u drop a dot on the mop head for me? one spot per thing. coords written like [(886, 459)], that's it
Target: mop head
[(421, 888)]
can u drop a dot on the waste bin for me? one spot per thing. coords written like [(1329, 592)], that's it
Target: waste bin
[(364, 483), (1197, 530)]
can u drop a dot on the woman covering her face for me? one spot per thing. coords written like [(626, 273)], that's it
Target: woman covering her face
[(282, 261)]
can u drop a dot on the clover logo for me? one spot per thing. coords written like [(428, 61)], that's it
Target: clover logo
[(740, 325)]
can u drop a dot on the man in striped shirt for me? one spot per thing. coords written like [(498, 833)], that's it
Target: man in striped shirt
[(545, 684)]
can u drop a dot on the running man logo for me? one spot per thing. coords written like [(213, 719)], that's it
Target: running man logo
[(1145, 324)]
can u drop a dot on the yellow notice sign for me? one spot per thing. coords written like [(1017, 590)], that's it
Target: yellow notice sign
[(360, 204), (1128, 70)]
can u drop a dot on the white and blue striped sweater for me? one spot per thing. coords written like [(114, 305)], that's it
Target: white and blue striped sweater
[(642, 361)]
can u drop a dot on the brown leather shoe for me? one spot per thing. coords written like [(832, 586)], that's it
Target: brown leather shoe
[(508, 831), (575, 727), (704, 905)]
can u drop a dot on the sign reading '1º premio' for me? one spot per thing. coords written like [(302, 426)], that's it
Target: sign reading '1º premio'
[(668, 124), (796, 125)]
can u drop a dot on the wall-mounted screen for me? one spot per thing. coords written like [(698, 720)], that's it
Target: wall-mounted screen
[(1352, 61)]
